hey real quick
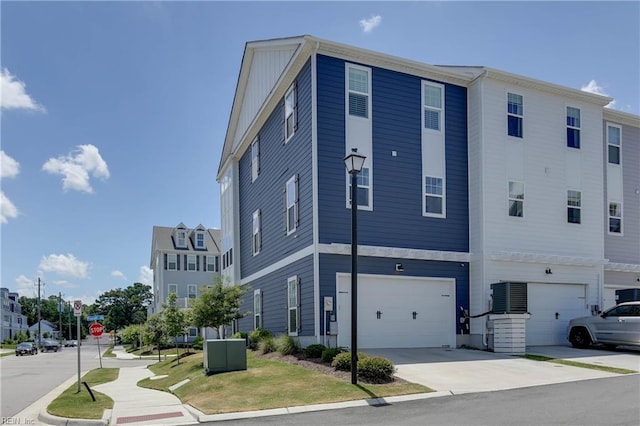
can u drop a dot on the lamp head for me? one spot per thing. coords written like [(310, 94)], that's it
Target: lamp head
[(354, 161)]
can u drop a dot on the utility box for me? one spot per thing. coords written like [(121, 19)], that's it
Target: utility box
[(224, 355), (509, 298)]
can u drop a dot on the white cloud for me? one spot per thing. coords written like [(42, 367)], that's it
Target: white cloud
[(9, 167), (64, 265), (7, 209), (118, 274), (146, 275), (594, 87), (369, 24), (77, 166), (14, 94), (65, 284), (25, 286)]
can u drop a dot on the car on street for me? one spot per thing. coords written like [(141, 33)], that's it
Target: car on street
[(70, 343), (26, 348), (617, 326), (50, 346)]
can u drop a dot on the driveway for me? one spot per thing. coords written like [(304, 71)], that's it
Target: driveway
[(466, 370)]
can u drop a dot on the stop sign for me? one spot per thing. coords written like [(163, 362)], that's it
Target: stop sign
[(96, 329)]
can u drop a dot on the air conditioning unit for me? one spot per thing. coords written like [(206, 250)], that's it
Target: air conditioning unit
[(509, 298)]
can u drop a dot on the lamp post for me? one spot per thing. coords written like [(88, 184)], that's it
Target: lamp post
[(354, 163)]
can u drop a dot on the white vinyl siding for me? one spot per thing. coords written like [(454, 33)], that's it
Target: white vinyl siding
[(293, 318), (256, 232), (516, 199), (290, 112)]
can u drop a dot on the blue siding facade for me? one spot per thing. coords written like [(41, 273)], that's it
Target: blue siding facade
[(396, 219)]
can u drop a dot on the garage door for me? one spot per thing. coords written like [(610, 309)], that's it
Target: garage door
[(398, 312), (551, 307)]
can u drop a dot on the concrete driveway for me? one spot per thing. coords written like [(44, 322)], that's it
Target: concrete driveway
[(465, 370)]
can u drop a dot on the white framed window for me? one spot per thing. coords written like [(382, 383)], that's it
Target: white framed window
[(172, 261), (255, 159), (191, 262), (256, 245), (173, 288), (257, 308), (433, 196), (200, 240), (293, 289), (193, 332), (614, 141), (515, 114), (615, 218), (181, 238), (573, 127), (358, 90), (212, 263), (574, 206), (192, 291), (290, 112), (432, 106), (292, 204), (516, 199), (364, 186)]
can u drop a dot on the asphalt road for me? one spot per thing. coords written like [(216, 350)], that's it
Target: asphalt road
[(25, 379), (590, 402)]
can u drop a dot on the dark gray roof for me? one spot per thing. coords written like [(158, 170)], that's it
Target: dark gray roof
[(162, 240)]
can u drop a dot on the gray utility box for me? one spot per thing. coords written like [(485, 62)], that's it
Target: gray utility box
[(224, 355)]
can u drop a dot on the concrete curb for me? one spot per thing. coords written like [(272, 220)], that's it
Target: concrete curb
[(50, 419)]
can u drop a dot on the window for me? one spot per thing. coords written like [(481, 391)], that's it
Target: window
[(290, 112), (433, 196), (292, 299), (516, 199), (191, 262), (200, 240), (192, 291), (363, 187), (181, 239), (615, 218), (173, 288), (514, 115), (257, 233), (257, 308), (574, 204), (613, 144), (212, 264), (358, 92), (172, 262), (432, 107), (193, 332), (255, 160), (292, 204), (573, 127)]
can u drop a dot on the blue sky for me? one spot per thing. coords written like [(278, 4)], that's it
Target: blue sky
[(114, 114)]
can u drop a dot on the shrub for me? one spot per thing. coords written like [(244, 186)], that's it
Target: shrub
[(197, 343), (267, 344), (257, 335), (314, 351), (329, 354), (375, 369), (287, 345), (342, 361)]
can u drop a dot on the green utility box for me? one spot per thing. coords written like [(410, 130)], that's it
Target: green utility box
[(224, 355)]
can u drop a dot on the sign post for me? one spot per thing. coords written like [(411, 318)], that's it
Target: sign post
[(96, 330), (77, 311)]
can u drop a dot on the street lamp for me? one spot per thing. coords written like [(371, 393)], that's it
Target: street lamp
[(354, 163)]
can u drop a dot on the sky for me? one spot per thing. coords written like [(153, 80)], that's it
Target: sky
[(113, 114)]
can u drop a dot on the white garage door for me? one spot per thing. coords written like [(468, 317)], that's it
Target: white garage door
[(398, 312), (551, 307)]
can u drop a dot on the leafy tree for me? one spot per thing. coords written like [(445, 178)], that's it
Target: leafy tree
[(123, 307), (154, 332), (218, 305), (131, 334), (176, 320)]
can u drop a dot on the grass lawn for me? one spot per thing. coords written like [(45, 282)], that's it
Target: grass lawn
[(150, 351), (266, 384), (80, 405), (579, 364)]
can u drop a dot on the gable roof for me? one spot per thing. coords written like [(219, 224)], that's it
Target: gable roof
[(162, 240)]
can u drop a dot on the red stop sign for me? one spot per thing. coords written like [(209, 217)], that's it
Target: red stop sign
[(96, 329)]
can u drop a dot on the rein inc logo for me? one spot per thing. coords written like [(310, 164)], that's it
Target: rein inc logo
[(16, 421)]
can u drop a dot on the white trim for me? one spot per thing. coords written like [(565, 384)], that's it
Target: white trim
[(619, 146), (521, 200), (395, 252), (578, 207), (257, 292), (314, 173), (578, 127), (621, 218), (189, 287), (175, 262), (551, 259), (291, 228), (292, 89), (307, 251), (255, 162), (256, 245), (191, 257), (622, 267), (169, 286), (443, 197), (293, 280), (520, 116)]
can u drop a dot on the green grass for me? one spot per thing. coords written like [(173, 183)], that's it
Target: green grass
[(265, 384), (76, 405), (579, 364), (7, 354), (109, 353), (8, 345)]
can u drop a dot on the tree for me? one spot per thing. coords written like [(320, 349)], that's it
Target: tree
[(131, 334), (218, 305), (154, 332), (176, 320), (123, 307)]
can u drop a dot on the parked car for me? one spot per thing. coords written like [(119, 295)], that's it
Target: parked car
[(26, 349), (616, 326), (50, 345), (70, 343)]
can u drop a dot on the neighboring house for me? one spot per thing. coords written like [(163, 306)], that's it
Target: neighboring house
[(46, 327), (183, 260), (622, 203), (12, 321), (473, 176)]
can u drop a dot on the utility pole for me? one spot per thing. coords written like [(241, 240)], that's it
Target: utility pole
[(69, 306), (39, 314), (60, 317)]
